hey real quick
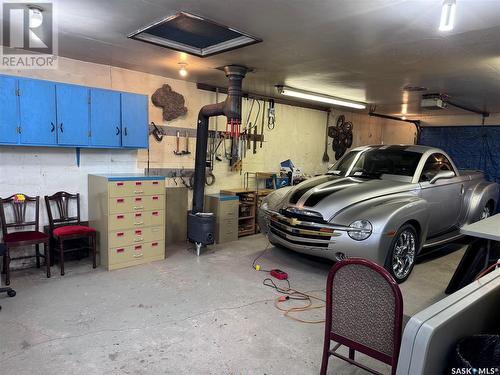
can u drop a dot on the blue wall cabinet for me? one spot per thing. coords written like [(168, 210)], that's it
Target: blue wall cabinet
[(43, 113), (72, 115), (105, 123), (37, 103), (9, 111), (135, 128)]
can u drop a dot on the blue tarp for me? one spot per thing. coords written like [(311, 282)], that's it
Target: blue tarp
[(470, 147)]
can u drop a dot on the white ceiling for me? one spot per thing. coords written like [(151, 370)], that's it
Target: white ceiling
[(364, 50)]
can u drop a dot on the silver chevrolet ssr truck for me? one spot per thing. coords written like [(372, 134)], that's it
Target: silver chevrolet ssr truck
[(385, 203)]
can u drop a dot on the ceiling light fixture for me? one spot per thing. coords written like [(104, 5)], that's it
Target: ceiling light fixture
[(288, 91), (448, 15), (183, 71)]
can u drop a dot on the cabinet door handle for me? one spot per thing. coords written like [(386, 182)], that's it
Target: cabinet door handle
[(61, 127), (52, 127), (117, 130)]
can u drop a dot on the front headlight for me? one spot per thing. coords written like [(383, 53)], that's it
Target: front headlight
[(362, 229), (264, 205)]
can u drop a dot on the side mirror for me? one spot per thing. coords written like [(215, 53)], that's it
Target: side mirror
[(442, 175)]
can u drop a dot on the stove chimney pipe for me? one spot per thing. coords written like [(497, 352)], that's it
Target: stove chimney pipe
[(231, 108), (200, 226)]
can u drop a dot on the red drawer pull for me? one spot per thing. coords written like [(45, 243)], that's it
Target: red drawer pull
[(121, 234), (120, 250), (156, 213), (138, 199), (120, 217), (138, 232), (138, 183), (138, 247), (156, 198), (138, 215), (155, 182), (154, 244), (119, 184), (120, 200)]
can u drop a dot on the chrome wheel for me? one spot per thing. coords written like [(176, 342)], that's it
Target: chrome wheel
[(485, 213), (403, 254)]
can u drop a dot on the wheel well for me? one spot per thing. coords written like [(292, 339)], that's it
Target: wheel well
[(491, 204), (415, 225)]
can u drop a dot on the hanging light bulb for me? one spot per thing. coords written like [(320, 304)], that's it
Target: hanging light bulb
[(448, 15), (183, 71)]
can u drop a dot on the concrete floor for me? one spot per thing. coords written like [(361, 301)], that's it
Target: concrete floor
[(184, 315)]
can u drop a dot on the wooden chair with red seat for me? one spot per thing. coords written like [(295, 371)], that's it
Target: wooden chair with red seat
[(17, 206), (64, 227)]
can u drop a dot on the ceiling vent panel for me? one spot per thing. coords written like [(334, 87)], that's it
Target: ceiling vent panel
[(192, 34)]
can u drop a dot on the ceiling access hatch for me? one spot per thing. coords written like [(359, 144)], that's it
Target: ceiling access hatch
[(193, 34)]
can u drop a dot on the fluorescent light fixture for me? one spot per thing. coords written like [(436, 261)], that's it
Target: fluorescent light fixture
[(288, 91), (448, 15)]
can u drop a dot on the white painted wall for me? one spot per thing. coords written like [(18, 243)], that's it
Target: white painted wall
[(44, 171)]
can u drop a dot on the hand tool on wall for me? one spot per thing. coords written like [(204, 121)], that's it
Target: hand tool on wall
[(255, 130), (262, 125), (178, 139), (244, 138), (326, 158), (186, 151), (271, 115), (157, 132), (249, 133)]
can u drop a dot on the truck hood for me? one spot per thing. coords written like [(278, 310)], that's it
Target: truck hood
[(328, 195)]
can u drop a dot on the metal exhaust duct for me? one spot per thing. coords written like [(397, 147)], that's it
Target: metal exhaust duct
[(200, 231)]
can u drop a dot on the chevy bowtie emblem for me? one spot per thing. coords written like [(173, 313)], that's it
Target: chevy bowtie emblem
[(293, 221)]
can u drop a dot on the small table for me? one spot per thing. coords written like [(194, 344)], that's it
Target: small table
[(486, 229)]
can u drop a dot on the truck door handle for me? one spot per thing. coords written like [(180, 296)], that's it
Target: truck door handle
[(125, 131), (52, 127), (117, 130), (61, 128)]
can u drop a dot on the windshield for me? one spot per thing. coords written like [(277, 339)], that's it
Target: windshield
[(377, 162), (341, 167)]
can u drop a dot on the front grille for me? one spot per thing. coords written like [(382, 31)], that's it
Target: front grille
[(295, 215), (278, 234), (284, 229)]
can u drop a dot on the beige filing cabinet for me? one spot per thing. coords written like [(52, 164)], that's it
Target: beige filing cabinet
[(128, 212), (225, 209)]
